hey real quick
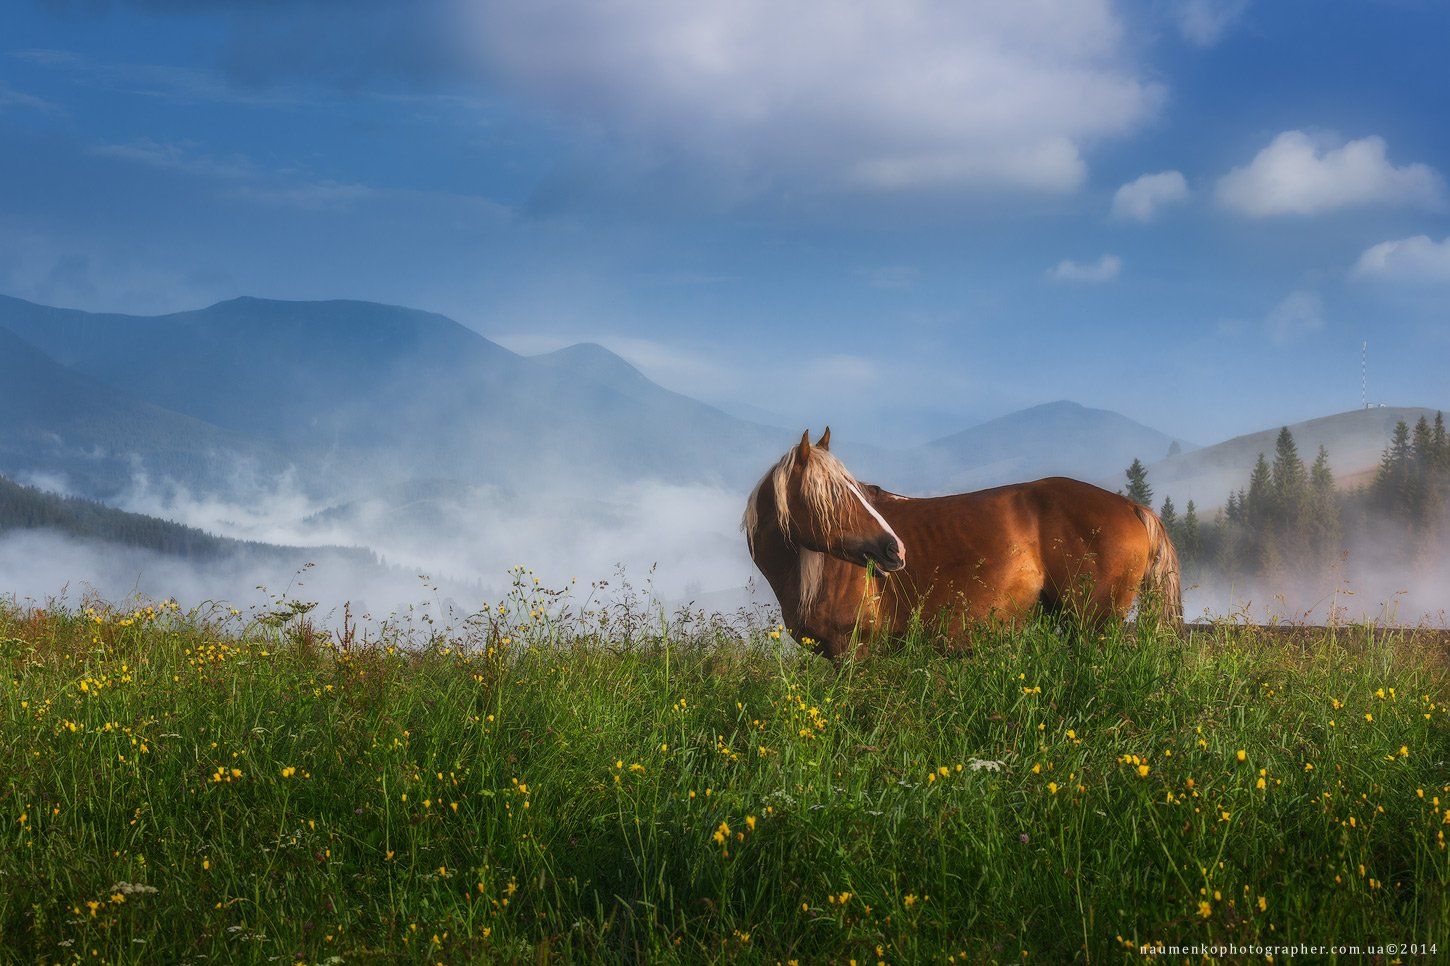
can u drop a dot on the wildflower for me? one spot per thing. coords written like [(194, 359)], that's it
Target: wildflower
[(1052, 787), (288, 772), (1242, 754), (1205, 908)]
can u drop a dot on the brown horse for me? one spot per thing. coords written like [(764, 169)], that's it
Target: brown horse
[(1065, 546)]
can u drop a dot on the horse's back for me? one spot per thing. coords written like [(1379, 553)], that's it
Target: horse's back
[(1054, 541)]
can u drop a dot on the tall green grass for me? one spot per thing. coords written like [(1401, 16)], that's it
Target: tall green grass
[(188, 786)]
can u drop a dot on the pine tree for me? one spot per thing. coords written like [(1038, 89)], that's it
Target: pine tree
[(1192, 541), (1325, 534), (1138, 489), (1257, 503), (1257, 508), (1422, 470), (1168, 514), (1391, 488), (1290, 482)]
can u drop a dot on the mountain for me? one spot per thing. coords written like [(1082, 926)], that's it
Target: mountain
[(28, 508), (1059, 438), (382, 394), (1355, 441), (55, 421)]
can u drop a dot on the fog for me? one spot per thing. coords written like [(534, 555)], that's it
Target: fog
[(1371, 581), (451, 548), (447, 549)]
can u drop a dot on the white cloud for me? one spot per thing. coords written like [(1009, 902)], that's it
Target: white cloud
[(1105, 269), (1140, 199), (1204, 22), (1299, 314), (891, 276), (1415, 259), (1299, 174), (178, 156), (10, 97), (817, 94)]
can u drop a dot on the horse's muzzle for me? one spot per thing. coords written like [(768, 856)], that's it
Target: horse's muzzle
[(888, 555)]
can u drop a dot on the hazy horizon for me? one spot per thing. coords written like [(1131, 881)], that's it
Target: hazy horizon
[(1188, 212)]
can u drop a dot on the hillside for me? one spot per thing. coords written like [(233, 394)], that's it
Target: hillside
[(57, 422), (384, 394), (1059, 438), (27, 508), (1355, 441)]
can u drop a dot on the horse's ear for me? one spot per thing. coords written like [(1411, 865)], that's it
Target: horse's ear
[(825, 441), (803, 452)]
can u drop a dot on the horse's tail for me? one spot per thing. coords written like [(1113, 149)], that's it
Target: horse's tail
[(1162, 580)]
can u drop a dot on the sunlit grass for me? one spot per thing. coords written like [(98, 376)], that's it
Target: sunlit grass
[(177, 786)]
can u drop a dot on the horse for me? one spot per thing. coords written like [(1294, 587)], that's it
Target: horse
[(851, 562)]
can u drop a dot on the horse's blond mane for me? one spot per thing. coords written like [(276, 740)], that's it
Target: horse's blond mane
[(825, 485)]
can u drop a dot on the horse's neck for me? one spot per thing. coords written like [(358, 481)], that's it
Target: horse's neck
[(780, 563)]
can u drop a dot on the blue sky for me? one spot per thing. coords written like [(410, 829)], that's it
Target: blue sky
[(901, 218)]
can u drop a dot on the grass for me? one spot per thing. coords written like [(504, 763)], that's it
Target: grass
[(187, 786)]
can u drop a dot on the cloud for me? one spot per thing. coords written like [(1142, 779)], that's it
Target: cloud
[(1415, 259), (1141, 198), (877, 97), (319, 195), (10, 97), (1105, 269), (891, 276), (179, 156), (1204, 22), (1298, 174), (287, 187), (186, 85), (1299, 314)]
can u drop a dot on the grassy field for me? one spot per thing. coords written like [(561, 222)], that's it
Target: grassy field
[(202, 786)]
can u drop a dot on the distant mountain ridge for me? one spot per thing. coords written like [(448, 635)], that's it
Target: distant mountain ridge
[(357, 390), (1054, 439), (363, 400), (57, 421), (1355, 441)]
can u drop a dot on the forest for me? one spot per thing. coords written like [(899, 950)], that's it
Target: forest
[(1290, 517)]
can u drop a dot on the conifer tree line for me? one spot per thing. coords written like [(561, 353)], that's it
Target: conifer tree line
[(1289, 516)]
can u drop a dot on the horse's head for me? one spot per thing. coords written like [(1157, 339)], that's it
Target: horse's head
[(818, 505)]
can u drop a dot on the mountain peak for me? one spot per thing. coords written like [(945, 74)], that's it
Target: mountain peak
[(592, 359)]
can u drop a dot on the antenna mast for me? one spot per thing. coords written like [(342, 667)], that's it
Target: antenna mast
[(1364, 375)]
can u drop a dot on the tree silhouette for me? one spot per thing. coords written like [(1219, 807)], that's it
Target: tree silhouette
[(1138, 489)]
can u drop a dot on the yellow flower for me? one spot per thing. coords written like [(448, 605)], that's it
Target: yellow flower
[(288, 772), (1052, 787), (1205, 908), (1143, 771), (1242, 754)]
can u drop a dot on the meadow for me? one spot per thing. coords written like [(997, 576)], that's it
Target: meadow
[(543, 785)]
